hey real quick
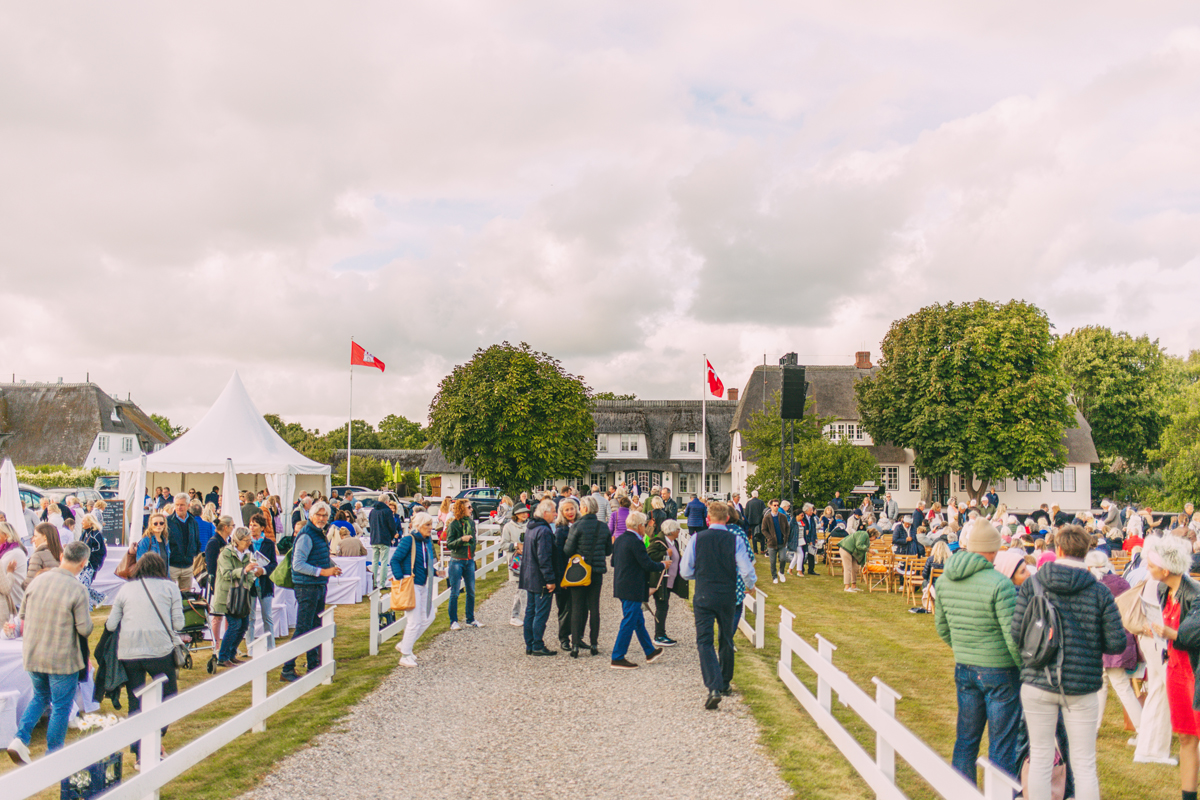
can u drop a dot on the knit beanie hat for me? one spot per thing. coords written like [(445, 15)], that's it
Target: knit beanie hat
[(982, 537), (1007, 561)]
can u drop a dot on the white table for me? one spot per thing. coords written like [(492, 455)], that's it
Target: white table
[(14, 678), (106, 581), (356, 567), (284, 607), (344, 591)]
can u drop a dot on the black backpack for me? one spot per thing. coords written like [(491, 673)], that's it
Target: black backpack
[(1041, 636)]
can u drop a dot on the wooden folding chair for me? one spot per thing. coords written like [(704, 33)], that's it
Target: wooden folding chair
[(934, 574), (878, 570), (912, 580), (833, 556)]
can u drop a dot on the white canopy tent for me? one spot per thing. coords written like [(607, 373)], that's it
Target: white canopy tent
[(232, 431)]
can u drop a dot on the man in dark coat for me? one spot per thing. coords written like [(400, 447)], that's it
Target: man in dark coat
[(214, 496), (631, 570), (384, 530), (538, 577), (183, 540), (754, 516)]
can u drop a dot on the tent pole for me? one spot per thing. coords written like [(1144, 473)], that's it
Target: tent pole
[(350, 423)]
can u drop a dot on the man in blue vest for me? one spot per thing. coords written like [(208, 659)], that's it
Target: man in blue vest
[(311, 570), (714, 558)]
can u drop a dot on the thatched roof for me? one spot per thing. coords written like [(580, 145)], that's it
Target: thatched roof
[(56, 423), (407, 459)]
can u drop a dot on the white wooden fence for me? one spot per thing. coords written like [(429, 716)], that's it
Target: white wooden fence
[(156, 713), (891, 737), (756, 632), (379, 601)]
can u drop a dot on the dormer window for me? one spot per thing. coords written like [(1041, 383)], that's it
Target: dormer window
[(629, 442), (688, 442)]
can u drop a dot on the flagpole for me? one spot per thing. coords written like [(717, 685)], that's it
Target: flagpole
[(350, 424), (704, 428)]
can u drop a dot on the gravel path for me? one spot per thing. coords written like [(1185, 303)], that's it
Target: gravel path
[(480, 718)]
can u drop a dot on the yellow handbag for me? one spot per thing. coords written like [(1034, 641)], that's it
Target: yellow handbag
[(404, 593), (578, 572)]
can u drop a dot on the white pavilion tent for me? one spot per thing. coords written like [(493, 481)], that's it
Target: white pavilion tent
[(232, 430)]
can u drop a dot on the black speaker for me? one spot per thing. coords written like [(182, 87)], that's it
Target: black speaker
[(791, 401)]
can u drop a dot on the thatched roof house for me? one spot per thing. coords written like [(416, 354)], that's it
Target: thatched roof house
[(76, 424)]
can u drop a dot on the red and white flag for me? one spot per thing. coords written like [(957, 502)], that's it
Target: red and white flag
[(714, 383), (359, 357)]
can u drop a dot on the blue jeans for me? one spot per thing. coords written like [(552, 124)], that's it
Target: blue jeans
[(235, 631), (462, 572), (57, 691), (633, 621), (988, 696), (537, 612), (310, 602)]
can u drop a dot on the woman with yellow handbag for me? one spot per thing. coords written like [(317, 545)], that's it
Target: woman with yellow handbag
[(413, 564)]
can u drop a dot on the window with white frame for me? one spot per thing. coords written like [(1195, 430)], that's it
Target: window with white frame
[(102, 444), (712, 483), (1063, 480), (1000, 485), (469, 481), (914, 480), (600, 479), (126, 444), (685, 484), (601, 442), (629, 442), (1027, 485), (688, 442), (890, 478)]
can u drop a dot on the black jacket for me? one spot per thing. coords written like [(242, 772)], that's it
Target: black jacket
[(591, 539), (110, 673), (383, 525), (1090, 621), (632, 568), (754, 512), (537, 562), (560, 558), (183, 539), (1188, 640)]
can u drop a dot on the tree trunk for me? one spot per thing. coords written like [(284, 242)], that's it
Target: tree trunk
[(975, 492)]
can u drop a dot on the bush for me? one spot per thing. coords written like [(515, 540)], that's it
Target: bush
[(369, 472), (59, 476)]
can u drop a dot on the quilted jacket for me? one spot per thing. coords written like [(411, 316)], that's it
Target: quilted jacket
[(974, 612)]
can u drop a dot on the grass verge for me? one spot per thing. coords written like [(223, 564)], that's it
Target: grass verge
[(877, 637), (241, 765)]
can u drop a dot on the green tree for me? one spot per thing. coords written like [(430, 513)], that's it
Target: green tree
[(369, 472), (407, 482), (973, 388), (823, 466), (293, 433), (166, 427), (397, 432), (364, 438), (514, 417), (612, 396), (1180, 446), (1116, 381)]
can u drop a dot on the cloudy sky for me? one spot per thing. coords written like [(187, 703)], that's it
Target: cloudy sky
[(186, 191)]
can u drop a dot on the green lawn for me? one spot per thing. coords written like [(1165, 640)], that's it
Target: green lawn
[(877, 637), (240, 765)]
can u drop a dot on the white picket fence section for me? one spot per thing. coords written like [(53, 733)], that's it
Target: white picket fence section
[(51, 769), (891, 737), (755, 603), (378, 599)]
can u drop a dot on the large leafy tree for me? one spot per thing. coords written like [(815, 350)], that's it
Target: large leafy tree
[(397, 432), (1179, 448), (164, 424), (514, 417), (823, 466), (973, 388), (1116, 382)]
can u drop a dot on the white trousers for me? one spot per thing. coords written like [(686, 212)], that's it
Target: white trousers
[(1124, 689), (419, 618), (1154, 734), (1041, 720)]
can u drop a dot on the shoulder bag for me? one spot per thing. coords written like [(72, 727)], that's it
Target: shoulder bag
[(281, 576), (578, 572), (404, 592), (179, 650), (1133, 617), (238, 604), (128, 561)]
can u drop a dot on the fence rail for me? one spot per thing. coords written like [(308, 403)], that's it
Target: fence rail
[(756, 632), (891, 736), (157, 713)]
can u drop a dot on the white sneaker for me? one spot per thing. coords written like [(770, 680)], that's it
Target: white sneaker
[(776, 580), (517, 623), (18, 751), (478, 624), (408, 661), (399, 645), (847, 589), (782, 578), (1151, 760), (454, 626), (1132, 741)]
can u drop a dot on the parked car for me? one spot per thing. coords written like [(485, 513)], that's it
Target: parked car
[(371, 499), (484, 501), (84, 494), (341, 490), (31, 496), (107, 485)]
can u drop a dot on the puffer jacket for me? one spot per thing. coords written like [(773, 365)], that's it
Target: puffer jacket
[(974, 613), (590, 538), (1090, 622), (1129, 658)]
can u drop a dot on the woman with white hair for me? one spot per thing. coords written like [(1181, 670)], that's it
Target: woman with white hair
[(414, 556), (1179, 597), (1115, 666), (14, 563)]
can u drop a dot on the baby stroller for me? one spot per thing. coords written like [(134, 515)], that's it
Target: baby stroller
[(195, 624)]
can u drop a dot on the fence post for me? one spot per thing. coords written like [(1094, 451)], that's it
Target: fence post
[(785, 647), (327, 646), (374, 622), (997, 784), (885, 755), (825, 649), (150, 747), (258, 686), (760, 618)]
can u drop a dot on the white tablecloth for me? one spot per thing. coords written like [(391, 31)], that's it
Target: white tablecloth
[(14, 678), (344, 591), (106, 581), (356, 567), (284, 607)]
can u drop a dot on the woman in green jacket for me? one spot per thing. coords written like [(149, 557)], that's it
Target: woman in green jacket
[(234, 564), (854, 554)]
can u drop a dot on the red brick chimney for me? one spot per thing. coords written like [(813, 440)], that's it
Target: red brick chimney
[(862, 359), (732, 394)]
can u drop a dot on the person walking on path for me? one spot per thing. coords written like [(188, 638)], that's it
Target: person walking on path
[(183, 536), (382, 522), (775, 529), (1115, 666), (616, 521), (974, 615), (631, 571), (696, 512), (538, 577), (715, 558), (414, 556), (1091, 627), (460, 541), (602, 505), (56, 614), (663, 546), (512, 537), (568, 512), (262, 598), (755, 509), (235, 563), (588, 537), (311, 570)]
